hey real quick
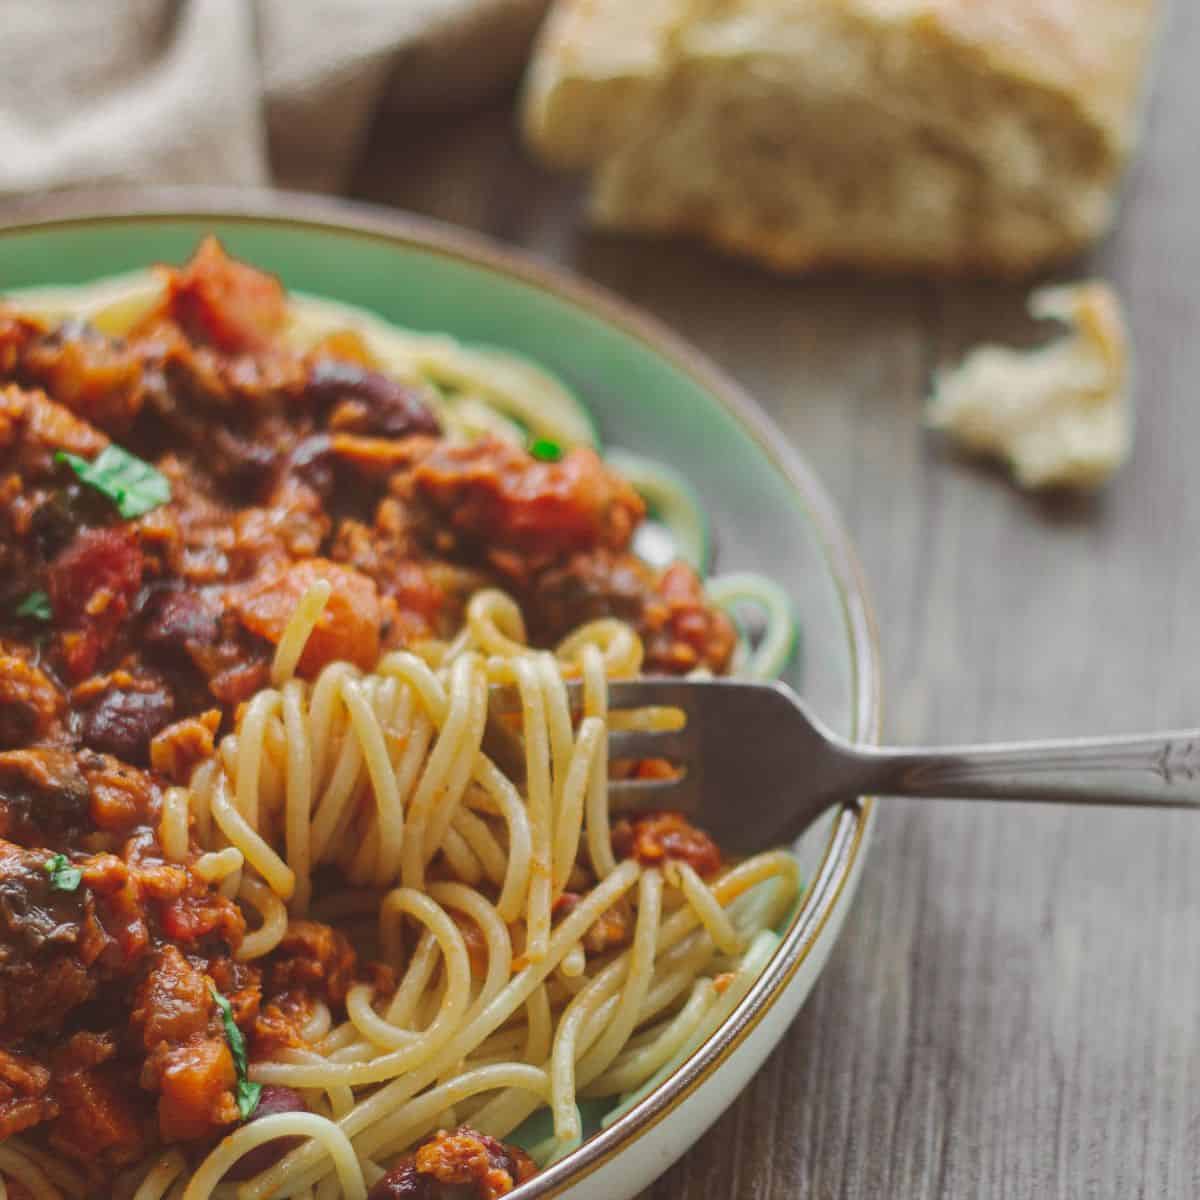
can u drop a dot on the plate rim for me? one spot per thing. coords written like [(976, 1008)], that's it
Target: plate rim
[(848, 840)]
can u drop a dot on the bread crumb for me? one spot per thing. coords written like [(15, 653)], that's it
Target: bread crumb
[(1059, 415)]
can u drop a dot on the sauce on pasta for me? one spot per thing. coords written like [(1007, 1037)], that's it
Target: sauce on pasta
[(277, 917)]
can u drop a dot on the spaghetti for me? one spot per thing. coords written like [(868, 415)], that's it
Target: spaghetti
[(403, 1074)]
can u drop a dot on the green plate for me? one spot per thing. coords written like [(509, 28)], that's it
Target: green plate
[(647, 391)]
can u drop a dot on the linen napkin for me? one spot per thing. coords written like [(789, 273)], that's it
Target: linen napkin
[(241, 92)]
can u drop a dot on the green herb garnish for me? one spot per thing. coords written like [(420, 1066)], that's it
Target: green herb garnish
[(35, 606), (545, 450), (132, 484), (246, 1093), (63, 876)]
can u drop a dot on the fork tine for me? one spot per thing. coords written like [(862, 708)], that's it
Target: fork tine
[(646, 743), (505, 698), (651, 691), (647, 795)]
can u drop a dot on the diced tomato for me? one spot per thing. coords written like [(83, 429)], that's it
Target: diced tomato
[(92, 584), (348, 630), (172, 1003), (497, 493), (312, 957), (97, 1121), (196, 1083), (225, 303), (191, 917)]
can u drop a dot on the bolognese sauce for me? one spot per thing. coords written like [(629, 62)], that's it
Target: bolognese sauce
[(166, 498)]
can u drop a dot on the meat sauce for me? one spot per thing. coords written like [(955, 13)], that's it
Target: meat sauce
[(126, 644), (458, 1165)]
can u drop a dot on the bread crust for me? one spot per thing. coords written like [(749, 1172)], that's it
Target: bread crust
[(1022, 112)]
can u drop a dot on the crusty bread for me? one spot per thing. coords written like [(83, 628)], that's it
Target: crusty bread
[(1060, 415), (983, 136)]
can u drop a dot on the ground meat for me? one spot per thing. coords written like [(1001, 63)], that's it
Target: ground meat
[(180, 748), (292, 524), (97, 378), (35, 997), (463, 1165), (278, 1026), (187, 1056), (201, 539), (173, 1003), (424, 597), (42, 504), (679, 629), (228, 413), (241, 984), (30, 704), (586, 588), (17, 332), (33, 428), (241, 672), (519, 511), (98, 1121), (348, 629), (44, 796), (656, 837), (198, 914), (23, 1094), (44, 956), (120, 796), (612, 928), (312, 958)]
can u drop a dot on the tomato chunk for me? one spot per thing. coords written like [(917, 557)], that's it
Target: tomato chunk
[(223, 302), (348, 629), (497, 493), (92, 585)]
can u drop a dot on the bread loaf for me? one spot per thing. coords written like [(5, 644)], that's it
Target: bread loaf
[(963, 136)]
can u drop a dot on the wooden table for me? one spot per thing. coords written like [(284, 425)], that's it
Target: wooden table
[(1012, 1008)]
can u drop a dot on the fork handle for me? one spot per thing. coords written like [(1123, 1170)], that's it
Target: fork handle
[(1158, 769)]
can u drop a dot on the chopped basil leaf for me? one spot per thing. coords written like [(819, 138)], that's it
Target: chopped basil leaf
[(246, 1094), (546, 450), (133, 485), (35, 606), (63, 876)]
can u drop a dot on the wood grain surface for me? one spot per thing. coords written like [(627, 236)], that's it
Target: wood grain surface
[(1012, 1010)]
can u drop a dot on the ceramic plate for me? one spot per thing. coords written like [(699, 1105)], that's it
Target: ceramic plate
[(647, 391)]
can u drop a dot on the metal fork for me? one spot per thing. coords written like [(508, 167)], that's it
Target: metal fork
[(759, 768)]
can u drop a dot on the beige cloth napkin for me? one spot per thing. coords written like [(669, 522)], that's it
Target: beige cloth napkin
[(246, 92)]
